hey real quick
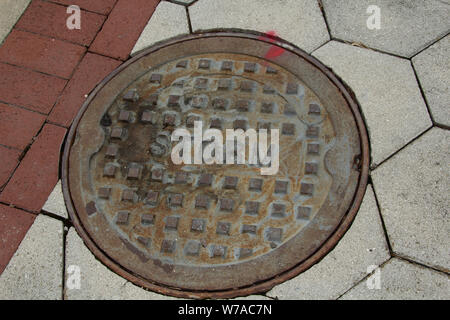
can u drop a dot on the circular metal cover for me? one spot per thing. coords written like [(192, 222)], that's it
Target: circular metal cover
[(199, 230)]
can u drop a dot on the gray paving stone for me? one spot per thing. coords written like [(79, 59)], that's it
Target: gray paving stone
[(55, 203), (412, 189), (168, 20), (406, 26), (387, 91), (401, 280), (97, 282), (433, 69), (363, 245), (35, 270), (298, 21), (10, 12)]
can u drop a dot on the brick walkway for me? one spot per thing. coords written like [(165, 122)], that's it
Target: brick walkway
[(400, 75), (46, 72)]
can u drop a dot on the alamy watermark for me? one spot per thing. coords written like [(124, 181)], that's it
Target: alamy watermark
[(374, 280), (74, 20), (209, 147), (374, 20)]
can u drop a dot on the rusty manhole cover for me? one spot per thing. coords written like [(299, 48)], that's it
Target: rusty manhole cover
[(199, 230)]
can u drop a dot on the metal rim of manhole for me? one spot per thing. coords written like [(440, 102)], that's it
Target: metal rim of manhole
[(215, 230)]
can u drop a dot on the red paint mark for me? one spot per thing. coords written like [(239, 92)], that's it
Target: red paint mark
[(274, 51)]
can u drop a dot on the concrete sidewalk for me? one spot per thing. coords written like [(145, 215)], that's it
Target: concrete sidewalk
[(399, 73)]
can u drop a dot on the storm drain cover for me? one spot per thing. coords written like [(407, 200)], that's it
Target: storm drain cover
[(199, 229)]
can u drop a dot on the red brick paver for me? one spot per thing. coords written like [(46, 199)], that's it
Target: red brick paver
[(90, 72), (9, 158), (37, 174), (40, 53), (14, 224), (100, 6), (123, 27), (49, 19), (18, 126), (33, 90)]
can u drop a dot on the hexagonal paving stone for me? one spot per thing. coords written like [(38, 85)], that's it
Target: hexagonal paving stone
[(35, 270), (363, 245), (55, 203), (298, 21), (168, 20), (402, 280), (96, 280), (406, 26), (387, 91), (433, 69), (412, 189)]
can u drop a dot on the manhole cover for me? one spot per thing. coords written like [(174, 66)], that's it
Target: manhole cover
[(215, 230)]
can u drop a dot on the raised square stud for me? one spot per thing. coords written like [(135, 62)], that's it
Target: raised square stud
[(227, 66), (230, 182), (271, 70), (148, 117), (112, 151), (147, 219), (131, 96), (181, 177), (311, 167), (245, 253), (243, 105), (267, 89), (251, 207), (247, 228), (144, 241), (201, 83), (247, 86), (224, 84), (192, 248), (198, 225), (109, 170), (128, 195), (278, 210), (267, 107), (117, 133), (312, 132), (274, 234), (219, 103), (292, 88), (201, 201), (223, 228), (255, 184), (156, 78), (240, 124), (204, 64), (313, 148), (168, 246), (226, 204), (175, 200), (288, 129), (215, 123), (125, 116), (303, 213), (104, 192), (250, 67), (205, 179), (218, 251), (281, 187), (306, 188), (134, 173), (157, 174), (314, 109), (171, 223), (190, 121), (152, 198), (122, 217), (169, 119), (173, 101), (199, 102)]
